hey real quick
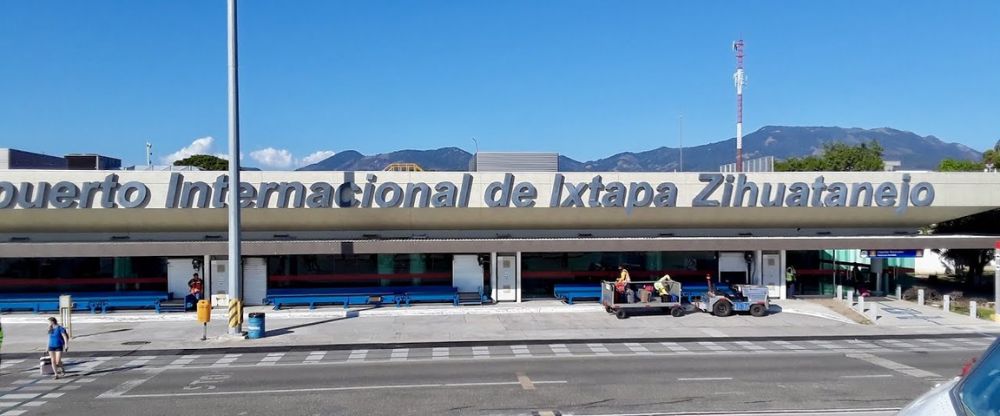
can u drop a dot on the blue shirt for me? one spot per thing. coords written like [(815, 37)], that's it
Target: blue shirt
[(56, 337)]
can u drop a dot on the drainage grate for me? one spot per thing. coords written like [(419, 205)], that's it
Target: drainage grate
[(135, 343)]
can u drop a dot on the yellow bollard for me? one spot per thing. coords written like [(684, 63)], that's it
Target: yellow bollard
[(235, 313), (204, 315)]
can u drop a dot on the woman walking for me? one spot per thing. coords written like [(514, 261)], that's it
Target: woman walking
[(58, 343)]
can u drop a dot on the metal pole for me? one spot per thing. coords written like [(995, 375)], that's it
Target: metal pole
[(235, 269)]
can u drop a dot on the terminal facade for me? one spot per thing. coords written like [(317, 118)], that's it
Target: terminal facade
[(510, 235)]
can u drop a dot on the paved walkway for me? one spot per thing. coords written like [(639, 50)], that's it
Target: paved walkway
[(537, 321)]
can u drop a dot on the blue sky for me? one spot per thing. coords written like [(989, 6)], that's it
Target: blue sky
[(583, 78)]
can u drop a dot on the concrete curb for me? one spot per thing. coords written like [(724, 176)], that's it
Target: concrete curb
[(478, 343)]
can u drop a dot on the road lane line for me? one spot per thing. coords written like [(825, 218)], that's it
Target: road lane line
[(704, 378), (321, 389), (894, 366), (525, 381)]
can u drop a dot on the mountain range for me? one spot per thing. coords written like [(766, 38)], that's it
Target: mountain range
[(913, 151)]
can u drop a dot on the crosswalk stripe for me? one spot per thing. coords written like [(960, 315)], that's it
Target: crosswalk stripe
[(139, 361), (789, 345), (439, 353), (399, 354), (271, 359), (674, 347), (599, 349), (520, 350), (560, 350), (315, 357), (712, 346), (480, 352), (749, 345), (226, 360), (637, 348), (184, 360), (357, 355)]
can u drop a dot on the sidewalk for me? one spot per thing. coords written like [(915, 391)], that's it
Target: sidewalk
[(534, 321)]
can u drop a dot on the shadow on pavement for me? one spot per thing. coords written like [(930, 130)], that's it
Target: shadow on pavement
[(291, 329)]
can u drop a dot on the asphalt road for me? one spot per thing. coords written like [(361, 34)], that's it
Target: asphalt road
[(819, 382)]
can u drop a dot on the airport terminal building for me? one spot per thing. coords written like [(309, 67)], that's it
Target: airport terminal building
[(511, 235)]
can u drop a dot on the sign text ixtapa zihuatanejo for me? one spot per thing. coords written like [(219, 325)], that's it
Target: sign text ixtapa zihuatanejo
[(717, 190)]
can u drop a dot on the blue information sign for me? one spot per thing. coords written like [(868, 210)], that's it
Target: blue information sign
[(892, 253)]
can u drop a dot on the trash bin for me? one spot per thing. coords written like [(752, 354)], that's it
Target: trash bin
[(255, 325)]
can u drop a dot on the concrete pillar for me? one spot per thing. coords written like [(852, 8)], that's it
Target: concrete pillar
[(861, 305), (899, 291), (920, 297), (973, 313), (850, 298), (517, 274), (840, 292), (876, 268), (758, 267), (946, 303), (874, 313), (784, 266), (493, 276)]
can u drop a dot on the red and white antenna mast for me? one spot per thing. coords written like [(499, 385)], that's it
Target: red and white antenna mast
[(739, 78)]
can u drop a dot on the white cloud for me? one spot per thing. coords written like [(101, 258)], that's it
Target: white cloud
[(200, 146), (273, 158), (316, 156)]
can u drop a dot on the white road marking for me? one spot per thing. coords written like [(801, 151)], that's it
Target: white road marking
[(599, 349), (271, 359), (226, 360), (140, 361), (480, 352), (9, 404), (520, 350), (19, 396), (24, 381), (637, 348), (357, 355), (346, 388), (184, 360), (900, 344), (674, 347), (869, 376), (560, 350), (53, 395), (314, 357), (712, 346), (399, 354), (862, 344), (126, 386), (439, 353), (704, 378), (823, 344), (750, 346), (17, 412), (881, 411), (86, 380), (34, 403), (789, 345), (894, 366), (10, 363)]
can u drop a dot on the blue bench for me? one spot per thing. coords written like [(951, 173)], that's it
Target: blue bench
[(431, 294), (571, 291), (49, 302), (397, 295)]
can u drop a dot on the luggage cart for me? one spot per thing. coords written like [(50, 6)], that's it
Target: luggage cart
[(743, 298), (622, 306)]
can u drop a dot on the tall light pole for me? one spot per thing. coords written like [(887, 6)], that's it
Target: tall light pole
[(235, 263), (739, 78)]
